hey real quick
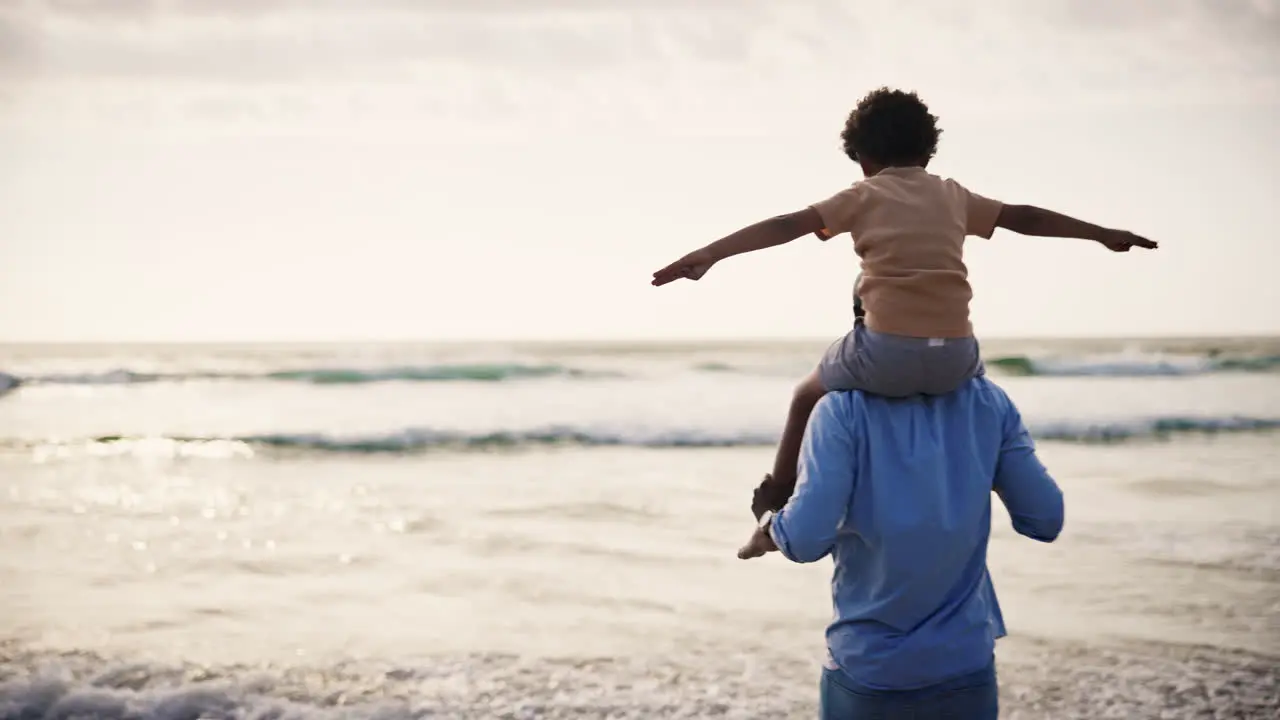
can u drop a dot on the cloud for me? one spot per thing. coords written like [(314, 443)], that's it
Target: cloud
[(267, 40), (734, 63), (246, 41)]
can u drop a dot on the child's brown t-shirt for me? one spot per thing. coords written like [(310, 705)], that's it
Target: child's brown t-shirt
[(908, 227)]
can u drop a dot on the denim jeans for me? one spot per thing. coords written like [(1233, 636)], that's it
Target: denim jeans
[(969, 697)]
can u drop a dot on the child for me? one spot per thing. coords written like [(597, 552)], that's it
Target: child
[(908, 229)]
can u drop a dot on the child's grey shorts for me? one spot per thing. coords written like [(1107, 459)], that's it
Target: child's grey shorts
[(897, 365)]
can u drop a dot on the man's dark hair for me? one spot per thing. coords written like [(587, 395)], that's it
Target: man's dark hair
[(891, 127)]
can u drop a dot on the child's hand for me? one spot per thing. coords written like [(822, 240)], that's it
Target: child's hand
[(692, 266), (1123, 240)]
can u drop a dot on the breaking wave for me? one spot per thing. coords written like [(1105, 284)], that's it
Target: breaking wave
[(427, 373), (478, 372), (1121, 365), (420, 440), (1099, 365), (1132, 366)]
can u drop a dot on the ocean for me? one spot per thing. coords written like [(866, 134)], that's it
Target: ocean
[(548, 530)]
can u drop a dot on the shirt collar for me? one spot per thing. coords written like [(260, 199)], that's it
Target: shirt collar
[(912, 170)]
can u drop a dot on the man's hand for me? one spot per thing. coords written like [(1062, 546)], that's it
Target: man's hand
[(692, 266), (759, 544), (770, 495), (1123, 240)]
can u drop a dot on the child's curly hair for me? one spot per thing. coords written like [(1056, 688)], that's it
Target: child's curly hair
[(891, 127)]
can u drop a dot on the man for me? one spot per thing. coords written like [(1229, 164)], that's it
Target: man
[(898, 492)]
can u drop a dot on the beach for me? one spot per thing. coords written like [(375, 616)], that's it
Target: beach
[(548, 530)]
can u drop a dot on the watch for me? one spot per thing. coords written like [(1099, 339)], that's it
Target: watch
[(765, 519)]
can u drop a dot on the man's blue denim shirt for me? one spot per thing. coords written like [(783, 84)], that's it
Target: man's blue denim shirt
[(898, 492)]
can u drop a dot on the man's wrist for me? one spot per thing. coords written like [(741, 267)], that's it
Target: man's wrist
[(766, 530), (766, 520), (766, 526)]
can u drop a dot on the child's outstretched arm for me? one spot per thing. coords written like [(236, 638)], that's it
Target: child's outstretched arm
[(766, 233), (1032, 220)]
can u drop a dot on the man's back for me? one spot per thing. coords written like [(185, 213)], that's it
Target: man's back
[(899, 493)]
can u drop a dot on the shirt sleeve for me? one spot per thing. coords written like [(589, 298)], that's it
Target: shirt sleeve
[(805, 529), (839, 212), (980, 213), (1022, 483)]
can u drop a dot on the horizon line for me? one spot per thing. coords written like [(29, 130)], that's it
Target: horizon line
[(615, 340)]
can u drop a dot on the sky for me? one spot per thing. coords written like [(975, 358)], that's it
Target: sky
[(214, 170)]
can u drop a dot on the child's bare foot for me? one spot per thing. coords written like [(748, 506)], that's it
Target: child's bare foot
[(758, 545)]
